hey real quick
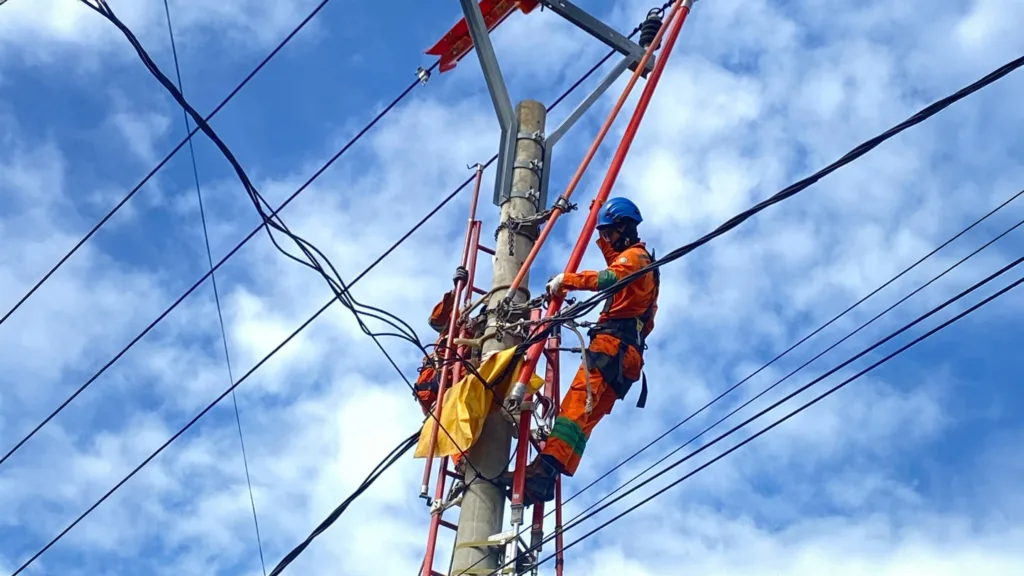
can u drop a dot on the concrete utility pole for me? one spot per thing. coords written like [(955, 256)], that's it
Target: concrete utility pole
[(483, 504)]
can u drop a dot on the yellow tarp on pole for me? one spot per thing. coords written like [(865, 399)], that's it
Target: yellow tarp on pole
[(467, 404)]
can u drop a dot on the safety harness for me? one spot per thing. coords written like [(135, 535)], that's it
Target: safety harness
[(629, 332)]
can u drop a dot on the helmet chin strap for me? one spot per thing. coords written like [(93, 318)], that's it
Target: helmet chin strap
[(627, 236)]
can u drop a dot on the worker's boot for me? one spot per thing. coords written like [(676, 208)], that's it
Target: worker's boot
[(540, 480)]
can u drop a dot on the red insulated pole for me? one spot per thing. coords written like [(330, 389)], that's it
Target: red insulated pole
[(683, 6), (587, 158), (554, 392), (522, 453)]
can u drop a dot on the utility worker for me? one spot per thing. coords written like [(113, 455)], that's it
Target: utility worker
[(617, 342), (429, 380), (429, 375)]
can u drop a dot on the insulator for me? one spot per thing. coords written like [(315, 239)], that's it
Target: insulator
[(649, 29)]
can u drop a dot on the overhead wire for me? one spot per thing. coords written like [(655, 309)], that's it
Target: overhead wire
[(376, 473), (277, 348), (579, 520), (583, 307), (800, 342), (387, 109), (316, 10), (808, 404), (216, 291), (269, 221)]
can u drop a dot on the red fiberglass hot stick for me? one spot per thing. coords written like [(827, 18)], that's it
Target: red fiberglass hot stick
[(560, 206), (683, 6)]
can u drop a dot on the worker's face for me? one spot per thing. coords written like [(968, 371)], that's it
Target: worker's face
[(609, 234)]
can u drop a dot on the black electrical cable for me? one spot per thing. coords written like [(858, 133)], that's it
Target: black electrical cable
[(209, 273), (275, 222), (817, 399), (805, 364), (224, 394), (802, 341), (584, 307), (386, 463), (302, 327), (832, 371), (160, 165), (216, 291)]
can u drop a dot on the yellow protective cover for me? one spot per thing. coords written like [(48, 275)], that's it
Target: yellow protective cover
[(467, 404)]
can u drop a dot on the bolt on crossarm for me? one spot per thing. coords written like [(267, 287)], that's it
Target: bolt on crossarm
[(534, 353), (562, 204)]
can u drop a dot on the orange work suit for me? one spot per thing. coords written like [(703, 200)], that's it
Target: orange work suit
[(568, 439), (428, 382)]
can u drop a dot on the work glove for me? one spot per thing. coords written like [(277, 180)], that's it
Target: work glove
[(554, 286)]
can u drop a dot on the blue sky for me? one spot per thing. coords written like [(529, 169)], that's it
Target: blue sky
[(913, 469)]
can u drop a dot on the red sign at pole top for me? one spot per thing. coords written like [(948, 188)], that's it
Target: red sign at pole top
[(458, 42)]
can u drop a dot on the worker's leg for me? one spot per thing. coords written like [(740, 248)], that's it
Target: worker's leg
[(568, 439)]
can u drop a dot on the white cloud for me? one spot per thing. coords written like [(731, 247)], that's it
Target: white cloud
[(141, 132), (45, 31), (755, 97)]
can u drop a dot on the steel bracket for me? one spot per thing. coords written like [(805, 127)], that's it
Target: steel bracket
[(603, 32), (573, 117), (499, 95)]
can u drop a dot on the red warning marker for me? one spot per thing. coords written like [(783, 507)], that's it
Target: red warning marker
[(458, 42)]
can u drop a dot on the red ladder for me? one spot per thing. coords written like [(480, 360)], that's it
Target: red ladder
[(451, 372)]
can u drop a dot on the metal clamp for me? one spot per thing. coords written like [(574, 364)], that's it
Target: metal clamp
[(563, 205), (537, 137), (423, 74)]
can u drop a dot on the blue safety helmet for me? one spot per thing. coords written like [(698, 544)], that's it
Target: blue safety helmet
[(617, 209)]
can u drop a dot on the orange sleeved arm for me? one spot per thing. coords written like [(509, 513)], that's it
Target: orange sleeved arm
[(619, 265)]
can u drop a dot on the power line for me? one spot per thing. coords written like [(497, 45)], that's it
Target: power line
[(216, 292), (584, 307), (161, 164), (827, 393), (581, 308), (386, 463), (799, 343), (269, 221), (302, 327), (230, 389), (209, 273), (576, 522)]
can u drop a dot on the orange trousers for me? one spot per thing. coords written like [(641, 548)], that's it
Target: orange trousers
[(568, 439)]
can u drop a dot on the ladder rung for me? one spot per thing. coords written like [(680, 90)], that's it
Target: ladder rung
[(449, 525), (479, 291), (454, 475), (485, 249)]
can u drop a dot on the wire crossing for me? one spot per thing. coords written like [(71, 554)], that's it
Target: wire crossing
[(209, 273), (815, 358), (394, 246), (801, 342), (213, 281), (316, 10), (817, 399), (584, 307)]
